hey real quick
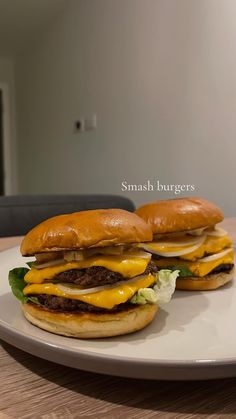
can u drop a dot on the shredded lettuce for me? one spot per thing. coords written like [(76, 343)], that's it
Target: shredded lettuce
[(144, 296), (161, 293), (165, 286)]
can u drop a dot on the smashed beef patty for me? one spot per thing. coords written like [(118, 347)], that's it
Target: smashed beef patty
[(89, 277), (61, 304), (95, 276), (224, 267)]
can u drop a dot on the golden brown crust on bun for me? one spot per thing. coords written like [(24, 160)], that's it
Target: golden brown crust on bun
[(209, 282), (85, 229), (177, 215), (89, 325)]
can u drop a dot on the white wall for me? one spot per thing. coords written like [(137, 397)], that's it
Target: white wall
[(6, 70), (161, 75), (7, 84)]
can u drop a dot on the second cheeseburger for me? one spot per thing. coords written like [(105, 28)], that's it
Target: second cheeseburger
[(187, 238), (89, 279)]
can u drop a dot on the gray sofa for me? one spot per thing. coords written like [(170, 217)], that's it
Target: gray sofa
[(18, 214)]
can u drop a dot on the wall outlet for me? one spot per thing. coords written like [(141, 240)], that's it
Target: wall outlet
[(87, 123), (90, 122), (79, 125)]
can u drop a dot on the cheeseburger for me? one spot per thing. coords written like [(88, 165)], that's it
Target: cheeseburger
[(187, 238), (89, 279)]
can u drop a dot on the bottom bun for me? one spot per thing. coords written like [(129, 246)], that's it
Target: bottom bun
[(209, 282), (90, 325)]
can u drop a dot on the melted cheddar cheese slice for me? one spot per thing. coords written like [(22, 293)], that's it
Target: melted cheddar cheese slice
[(196, 267), (105, 299), (128, 266), (210, 246)]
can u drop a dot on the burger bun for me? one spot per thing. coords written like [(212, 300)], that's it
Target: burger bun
[(86, 229), (209, 282), (91, 325), (179, 215)]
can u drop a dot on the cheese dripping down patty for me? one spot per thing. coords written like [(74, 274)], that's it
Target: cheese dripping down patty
[(130, 263), (104, 299), (199, 268), (212, 248), (188, 247)]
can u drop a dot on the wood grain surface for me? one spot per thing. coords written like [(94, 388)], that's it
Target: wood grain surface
[(31, 387)]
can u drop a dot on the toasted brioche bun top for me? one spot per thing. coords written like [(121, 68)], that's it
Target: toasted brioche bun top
[(177, 215), (85, 229)]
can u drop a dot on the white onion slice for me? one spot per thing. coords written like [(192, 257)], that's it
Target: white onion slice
[(215, 256), (176, 253), (75, 291), (48, 264), (197, 232), (218, 232), (190, 241)]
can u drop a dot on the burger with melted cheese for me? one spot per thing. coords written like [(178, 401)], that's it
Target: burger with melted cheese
[(187, 238), (89, 279)]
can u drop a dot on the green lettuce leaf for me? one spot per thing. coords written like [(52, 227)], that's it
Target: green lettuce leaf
[(183, 270), (161, 293), (30, 264), (17, 284)]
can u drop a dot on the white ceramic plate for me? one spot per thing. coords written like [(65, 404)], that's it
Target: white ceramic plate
[(194, 337)]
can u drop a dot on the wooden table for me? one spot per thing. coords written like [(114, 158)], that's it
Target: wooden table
[(31, 387)]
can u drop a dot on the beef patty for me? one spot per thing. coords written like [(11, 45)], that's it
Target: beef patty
[(67, 305), (224, 267), (95, 276), (89, 277)]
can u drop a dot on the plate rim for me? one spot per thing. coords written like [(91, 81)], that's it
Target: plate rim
[(152, 361)]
